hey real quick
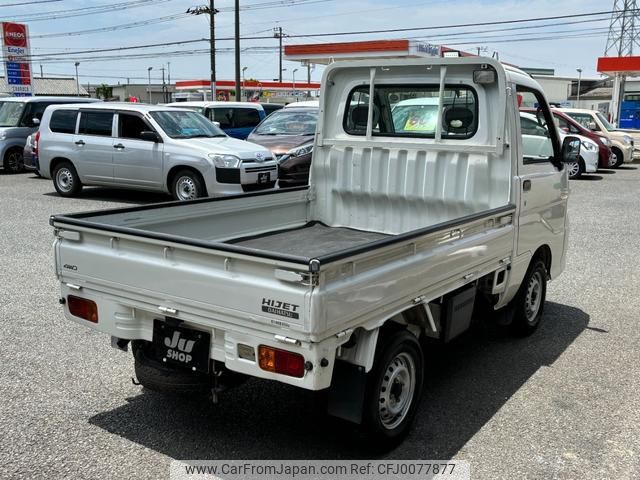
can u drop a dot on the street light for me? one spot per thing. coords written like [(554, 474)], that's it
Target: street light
[(77, 81), (149, 82), (579, 70), (243, 85), (294, 81)]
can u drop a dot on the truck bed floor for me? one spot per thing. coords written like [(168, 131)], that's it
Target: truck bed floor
[(312, 240)]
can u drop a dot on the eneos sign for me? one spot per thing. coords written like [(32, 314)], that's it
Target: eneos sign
[(14, 34), (15, 49)]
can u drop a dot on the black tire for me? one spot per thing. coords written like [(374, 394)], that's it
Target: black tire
[(156, 376), (187, 185), (619, 157), (13, 161), (575, 169), (396, 355), (66, 180), (528, 305)]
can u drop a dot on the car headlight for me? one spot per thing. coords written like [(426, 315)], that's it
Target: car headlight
[(627, 140), (589, 146), (301, 150), (225, 161)]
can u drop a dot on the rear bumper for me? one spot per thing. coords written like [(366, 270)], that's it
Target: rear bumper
[(118, 318)]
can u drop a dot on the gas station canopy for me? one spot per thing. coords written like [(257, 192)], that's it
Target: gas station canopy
[(326, 53), (613, 66)]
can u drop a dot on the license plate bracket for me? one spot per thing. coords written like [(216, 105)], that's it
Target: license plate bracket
[(182, 346)]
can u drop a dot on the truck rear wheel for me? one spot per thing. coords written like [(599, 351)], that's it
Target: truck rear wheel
[(394, 387), (529, 302)]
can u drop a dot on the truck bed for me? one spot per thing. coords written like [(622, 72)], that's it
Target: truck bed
[(312, 240)]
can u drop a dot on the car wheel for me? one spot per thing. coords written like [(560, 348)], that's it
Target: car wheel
[(66, 180), (529, 301), (575, 169), (394, 387), (187, 185), (618, 158), (14, 161)]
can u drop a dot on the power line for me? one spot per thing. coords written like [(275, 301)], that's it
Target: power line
[(28, 3), (80, 12), (113, 28)]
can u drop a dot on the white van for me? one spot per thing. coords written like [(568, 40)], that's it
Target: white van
[(147, 147)]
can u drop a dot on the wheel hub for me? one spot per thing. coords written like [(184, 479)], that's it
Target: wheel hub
[(64, 179), (186, 188), (574, 169), (396, 390), (533, 299)]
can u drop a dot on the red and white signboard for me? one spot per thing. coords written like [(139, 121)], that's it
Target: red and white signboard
[(17, 58)]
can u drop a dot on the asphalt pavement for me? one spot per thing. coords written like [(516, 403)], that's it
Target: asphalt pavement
[(562, 404)]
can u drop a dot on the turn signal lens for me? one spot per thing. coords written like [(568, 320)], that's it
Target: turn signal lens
[(83, 308), (280, 361)]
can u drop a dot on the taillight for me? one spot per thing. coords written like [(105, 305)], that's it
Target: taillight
[(36, 142), (83, 308), (280, 361)]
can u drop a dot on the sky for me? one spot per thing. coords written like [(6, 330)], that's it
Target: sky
[(580, 47)]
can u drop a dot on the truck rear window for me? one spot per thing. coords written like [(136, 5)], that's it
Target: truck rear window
[(412, 111)]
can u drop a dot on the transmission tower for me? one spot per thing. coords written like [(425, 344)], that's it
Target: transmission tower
[(624, 30)]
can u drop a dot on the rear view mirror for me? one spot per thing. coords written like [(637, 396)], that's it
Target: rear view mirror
[(149, 136), (217, 124), (35, 122), (592, 126), (570, 150)]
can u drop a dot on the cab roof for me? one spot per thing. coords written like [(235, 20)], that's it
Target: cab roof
[(253, 105)]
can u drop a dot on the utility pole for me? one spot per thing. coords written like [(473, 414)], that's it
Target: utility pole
[(623, 41), (211, 11), (237, 42), (41, 74), (579, 70), (308, 77), (277, 33)]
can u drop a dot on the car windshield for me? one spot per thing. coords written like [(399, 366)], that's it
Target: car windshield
[(181, 124), (10, 113), (605, 122), (284, 122)]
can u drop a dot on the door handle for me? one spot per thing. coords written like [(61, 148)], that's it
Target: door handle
[(119, 146), (80, 142), (526, 185)]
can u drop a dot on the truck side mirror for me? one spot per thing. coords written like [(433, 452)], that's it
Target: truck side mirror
[(570, 149)]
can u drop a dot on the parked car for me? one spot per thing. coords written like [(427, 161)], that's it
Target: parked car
[(269, 108), (237, 119), (531, 126), (288, 133), (19, 118), (568, 125), (340, 286), (147, 147), (304, 103), (622, 144)]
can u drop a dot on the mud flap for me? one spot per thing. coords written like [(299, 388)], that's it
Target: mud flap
[(346, 394)]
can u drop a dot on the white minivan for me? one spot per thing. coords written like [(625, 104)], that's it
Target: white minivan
[(147, 147)]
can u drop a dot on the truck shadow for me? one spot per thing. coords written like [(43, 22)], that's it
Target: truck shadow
[(467, 382)]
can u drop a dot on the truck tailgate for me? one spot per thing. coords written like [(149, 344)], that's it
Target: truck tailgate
[(196, 283)]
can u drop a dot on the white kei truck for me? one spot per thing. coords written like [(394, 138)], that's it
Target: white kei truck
[(417, 214)]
